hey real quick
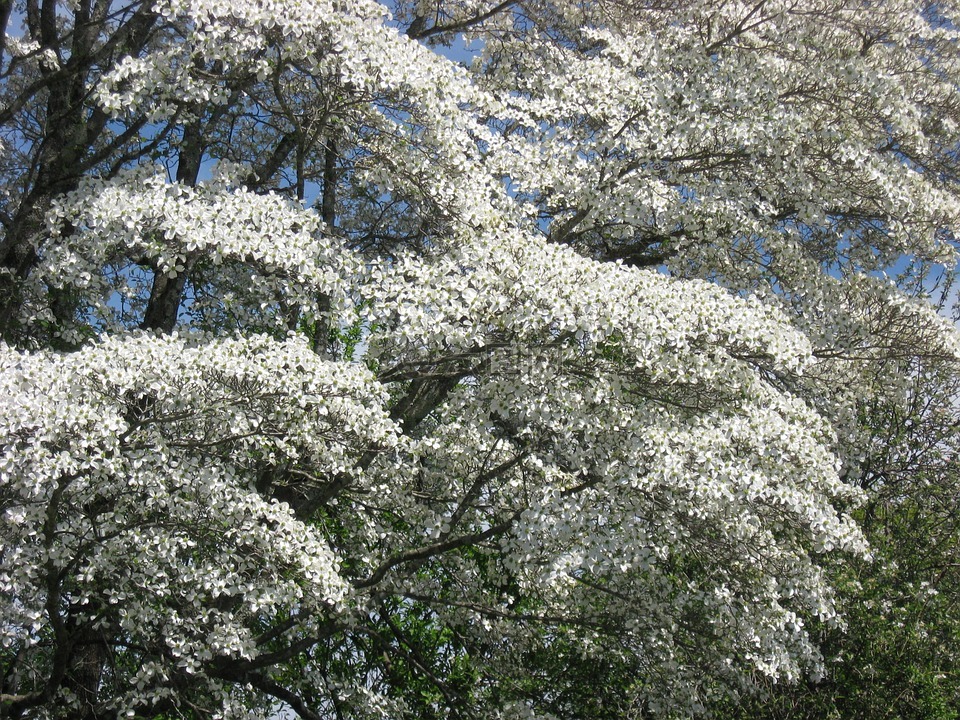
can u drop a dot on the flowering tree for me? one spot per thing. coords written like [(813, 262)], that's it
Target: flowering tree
[(340, 377)]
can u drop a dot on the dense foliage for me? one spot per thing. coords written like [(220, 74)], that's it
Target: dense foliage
[(601, 375)]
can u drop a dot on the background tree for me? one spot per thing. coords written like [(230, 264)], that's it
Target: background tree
[(336, 375)]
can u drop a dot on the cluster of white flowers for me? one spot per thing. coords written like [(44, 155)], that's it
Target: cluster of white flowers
[(255, 251), (419, 97), (127, 475), (663, 130), (515, 287), (641, 426)]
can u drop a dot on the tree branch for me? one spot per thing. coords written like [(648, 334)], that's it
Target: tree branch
[(424, 553), (417, 31)]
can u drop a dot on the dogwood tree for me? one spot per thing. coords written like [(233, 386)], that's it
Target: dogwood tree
[(343, 377)]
